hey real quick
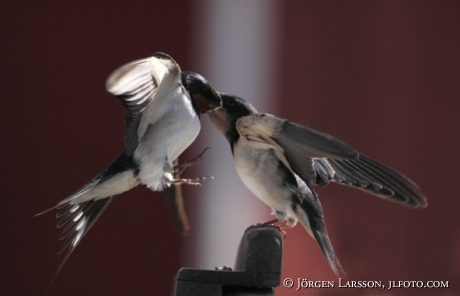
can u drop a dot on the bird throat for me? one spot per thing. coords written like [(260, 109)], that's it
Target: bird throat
[(202, 104)]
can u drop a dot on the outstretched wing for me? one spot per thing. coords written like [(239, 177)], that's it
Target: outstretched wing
[(300, 144), (135, 85), (373, 177), (319, 157)]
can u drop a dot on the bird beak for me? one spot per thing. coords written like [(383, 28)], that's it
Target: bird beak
[(214, 104), (206, 104), (219, 119)]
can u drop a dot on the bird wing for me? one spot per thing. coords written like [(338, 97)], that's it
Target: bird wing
[(371, 176), (319, 157), (300, 144), (135, 85), (175, 202)]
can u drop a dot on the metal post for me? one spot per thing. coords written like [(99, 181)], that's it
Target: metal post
[(257, 269)]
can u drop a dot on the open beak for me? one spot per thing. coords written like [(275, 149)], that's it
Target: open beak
[(216, 103)]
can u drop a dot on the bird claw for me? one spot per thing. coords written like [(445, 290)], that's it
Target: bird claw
[(194, 182), (270, 224), (180, 168), (279, 228)]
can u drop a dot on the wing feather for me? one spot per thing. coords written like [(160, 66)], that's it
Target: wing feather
[(135, 85), (301, 144), (369, 175), (319, 157)]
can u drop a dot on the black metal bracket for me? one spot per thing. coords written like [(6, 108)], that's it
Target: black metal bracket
[(257, 269)]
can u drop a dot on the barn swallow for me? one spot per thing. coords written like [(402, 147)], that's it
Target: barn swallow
[(162, 119), (280, 160)]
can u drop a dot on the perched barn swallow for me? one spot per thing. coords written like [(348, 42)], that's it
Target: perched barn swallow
[(279, 161), (162, 119)]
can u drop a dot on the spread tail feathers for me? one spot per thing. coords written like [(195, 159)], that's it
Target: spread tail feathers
[(79, 219)]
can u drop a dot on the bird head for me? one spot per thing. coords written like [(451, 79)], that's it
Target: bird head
[(205, 97), (233, 108)]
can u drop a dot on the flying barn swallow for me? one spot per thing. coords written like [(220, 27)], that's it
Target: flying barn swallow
[(279, 161), (162, 119)]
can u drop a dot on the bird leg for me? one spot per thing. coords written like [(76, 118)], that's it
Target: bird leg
[(180, 168), (194, 182)]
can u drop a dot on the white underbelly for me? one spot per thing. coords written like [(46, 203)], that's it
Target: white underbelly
[(164, 141), (257, 168)]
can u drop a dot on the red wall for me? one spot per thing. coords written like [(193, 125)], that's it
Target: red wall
[(60, 128), (384, 76)]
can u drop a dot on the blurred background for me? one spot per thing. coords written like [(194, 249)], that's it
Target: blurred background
[(383, 75)]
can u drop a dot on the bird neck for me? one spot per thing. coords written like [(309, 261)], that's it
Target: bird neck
[(232, 135), (194, 104)]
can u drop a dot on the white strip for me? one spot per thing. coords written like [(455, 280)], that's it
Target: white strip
[(234, 48)]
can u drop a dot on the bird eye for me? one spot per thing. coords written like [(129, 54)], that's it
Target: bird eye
[(231, 103)]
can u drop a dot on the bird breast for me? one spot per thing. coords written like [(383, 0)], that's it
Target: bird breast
[(257, 165), (165, 139)]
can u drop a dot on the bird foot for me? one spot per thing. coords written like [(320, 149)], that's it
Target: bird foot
[(180, 168), (194, 182), (270, 224)]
